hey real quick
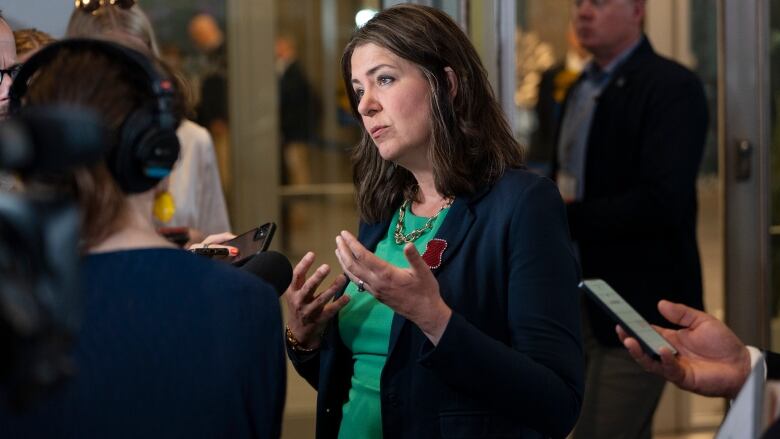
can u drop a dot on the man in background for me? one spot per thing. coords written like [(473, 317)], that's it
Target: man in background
[(298, 112), (8, 65), (212, 107), (628, 153), (8, 69)]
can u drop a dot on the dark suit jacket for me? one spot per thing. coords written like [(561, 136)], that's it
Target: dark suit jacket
[(510, 361), (299, 107), (636, 224)]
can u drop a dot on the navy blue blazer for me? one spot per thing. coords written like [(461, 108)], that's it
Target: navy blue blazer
[(510, 362), (171, 345)]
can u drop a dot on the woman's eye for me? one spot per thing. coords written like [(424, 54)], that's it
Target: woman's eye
[(359, 93), (384, 80)]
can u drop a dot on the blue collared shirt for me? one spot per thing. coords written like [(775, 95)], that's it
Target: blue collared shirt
[(575, 128)]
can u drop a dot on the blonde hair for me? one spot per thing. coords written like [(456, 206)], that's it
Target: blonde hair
[(130, 27), (31, 39), (109, 20)]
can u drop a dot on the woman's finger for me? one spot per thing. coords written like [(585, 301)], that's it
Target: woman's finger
[(218, 238), (347, 259), (348, 273), (324, 297), (312, 312), (416, 263), (353, 250), (301, 270), (309, 287), (332, 308)]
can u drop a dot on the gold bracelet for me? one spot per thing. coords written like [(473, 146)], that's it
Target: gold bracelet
[(295, 344)]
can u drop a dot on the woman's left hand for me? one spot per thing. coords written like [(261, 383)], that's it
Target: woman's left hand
[(411, 292)]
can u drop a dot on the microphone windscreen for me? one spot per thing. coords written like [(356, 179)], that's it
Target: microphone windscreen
[(51, 139), (272, 267)]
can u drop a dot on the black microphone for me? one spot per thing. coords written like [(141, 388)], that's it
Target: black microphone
[(51, 139), (272, 267)]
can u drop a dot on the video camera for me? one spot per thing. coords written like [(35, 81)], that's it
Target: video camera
[(40, 300)]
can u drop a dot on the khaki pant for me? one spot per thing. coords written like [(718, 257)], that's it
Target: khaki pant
[(620, 396)]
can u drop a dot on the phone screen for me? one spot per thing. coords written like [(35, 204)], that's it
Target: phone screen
[(252, 242), (633, 323)]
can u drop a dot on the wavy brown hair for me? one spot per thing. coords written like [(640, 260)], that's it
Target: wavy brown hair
[(472, 144), (114, 87)]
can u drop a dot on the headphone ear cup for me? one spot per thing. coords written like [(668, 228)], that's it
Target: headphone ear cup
[(145, 153)]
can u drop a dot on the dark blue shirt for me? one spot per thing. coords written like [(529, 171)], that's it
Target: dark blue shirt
[(171, 345)]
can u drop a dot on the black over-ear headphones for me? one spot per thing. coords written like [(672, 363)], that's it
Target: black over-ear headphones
[(148, 146)]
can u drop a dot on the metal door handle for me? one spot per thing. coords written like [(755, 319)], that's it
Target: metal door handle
[(744, 160)]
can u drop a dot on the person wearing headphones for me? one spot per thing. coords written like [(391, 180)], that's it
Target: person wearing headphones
[(194, 198), (171, 344)]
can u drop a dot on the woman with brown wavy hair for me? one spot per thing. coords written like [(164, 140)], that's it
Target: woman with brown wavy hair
[(460, 318)]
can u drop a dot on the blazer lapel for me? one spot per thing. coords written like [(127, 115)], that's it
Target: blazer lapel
[(371, 234), (456, 226)]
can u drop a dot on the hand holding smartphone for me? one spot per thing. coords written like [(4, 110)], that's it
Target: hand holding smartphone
[(628, 319), (248, 244)]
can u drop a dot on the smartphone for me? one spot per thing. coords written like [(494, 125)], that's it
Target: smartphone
[(212, 252), (252, 242), (634, 324)]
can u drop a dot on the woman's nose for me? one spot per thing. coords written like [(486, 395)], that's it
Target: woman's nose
[(368, 105)]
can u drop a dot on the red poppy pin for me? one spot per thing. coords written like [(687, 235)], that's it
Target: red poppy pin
[(433, 252)]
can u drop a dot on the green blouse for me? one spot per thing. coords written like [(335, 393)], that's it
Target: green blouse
[(364, 326)]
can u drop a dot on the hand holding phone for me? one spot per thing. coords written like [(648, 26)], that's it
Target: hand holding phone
[(245, 245), (251, 242), (628, 319)]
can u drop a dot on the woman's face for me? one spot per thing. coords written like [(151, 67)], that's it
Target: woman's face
[(394, 103)]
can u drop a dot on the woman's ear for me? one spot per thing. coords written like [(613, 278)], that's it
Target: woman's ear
[(452, 81)]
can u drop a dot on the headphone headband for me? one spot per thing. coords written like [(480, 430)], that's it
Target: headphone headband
[(148, 146)]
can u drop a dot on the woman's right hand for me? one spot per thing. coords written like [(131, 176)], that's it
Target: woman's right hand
[(308, 312)]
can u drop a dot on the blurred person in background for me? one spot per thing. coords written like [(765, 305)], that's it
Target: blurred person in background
[(8, 69), (8, 64), (553, 87), (211, 79), (629, 148), (194, 198), (298, 112), (29, 41)]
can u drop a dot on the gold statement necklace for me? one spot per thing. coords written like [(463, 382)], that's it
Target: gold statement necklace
[(399, 235)]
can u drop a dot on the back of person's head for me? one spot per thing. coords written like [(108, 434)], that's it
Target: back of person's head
[(130, 27), (28, 41), (204, 31), (109, 20), (472, 144), (115, 85)]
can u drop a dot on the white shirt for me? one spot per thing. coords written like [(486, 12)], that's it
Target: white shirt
[(195, 185)]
